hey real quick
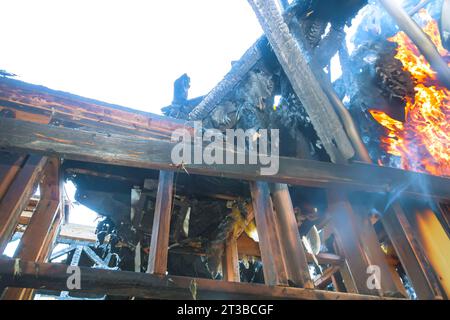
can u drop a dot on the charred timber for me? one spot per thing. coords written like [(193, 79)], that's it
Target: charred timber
[(24, 101), (16, 273), (129, 151), (229, 82), (317, 62), (420, 39), (307, 88)]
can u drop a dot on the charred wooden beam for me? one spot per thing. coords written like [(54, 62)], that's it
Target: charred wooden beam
[(323, 117), (42, 105), (18, 195), (237, 73), (122, 283), (420, 39), (272, 255), (159, 247), (412, 258), (129, 151), (318, 59), (291, 244)]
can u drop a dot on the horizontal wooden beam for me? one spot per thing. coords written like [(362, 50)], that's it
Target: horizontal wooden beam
[(16, 273), (39, 104), (124, 150)]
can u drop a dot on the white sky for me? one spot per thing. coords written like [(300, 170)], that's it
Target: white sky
[(124, 52)]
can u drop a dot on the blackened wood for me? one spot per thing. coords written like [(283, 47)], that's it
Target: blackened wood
[(408, 250), (323, 117), (157, 261), (268, 232), (128, 151), (43, 105), (18, 195), (122, 283), (238, 72), (294, 253)]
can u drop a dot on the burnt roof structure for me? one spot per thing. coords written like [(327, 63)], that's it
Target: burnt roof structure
[(311, 230)]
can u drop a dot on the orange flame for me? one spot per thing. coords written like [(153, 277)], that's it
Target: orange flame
[(423, 141), (436, 244)]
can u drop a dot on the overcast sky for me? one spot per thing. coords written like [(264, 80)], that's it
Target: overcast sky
[(124, 52)]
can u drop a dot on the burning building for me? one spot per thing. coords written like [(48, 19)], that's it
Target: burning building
[(358, 209)]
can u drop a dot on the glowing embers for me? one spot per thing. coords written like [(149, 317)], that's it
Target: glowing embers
[(422, 141)]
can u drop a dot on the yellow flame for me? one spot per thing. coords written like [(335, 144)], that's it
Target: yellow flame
[(423, 140), (436, 245)]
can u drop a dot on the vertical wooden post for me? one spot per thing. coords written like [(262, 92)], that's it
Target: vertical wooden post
[(230, 261), (266, 224), (39, 234), (157, 262), (390, 280), (360, 246), (291, 244), (17, 196), (10, 165), (410, 254)]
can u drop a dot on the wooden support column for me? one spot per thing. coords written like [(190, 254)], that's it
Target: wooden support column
[(361, 248), (410, 254), (269, 240), (390, 280), (157, 262), (17, 196), (39, 234), (230, 262), (10, 165), (291, 244)]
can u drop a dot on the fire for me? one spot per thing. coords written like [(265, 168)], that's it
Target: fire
[(422, 141), (436, 244)]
